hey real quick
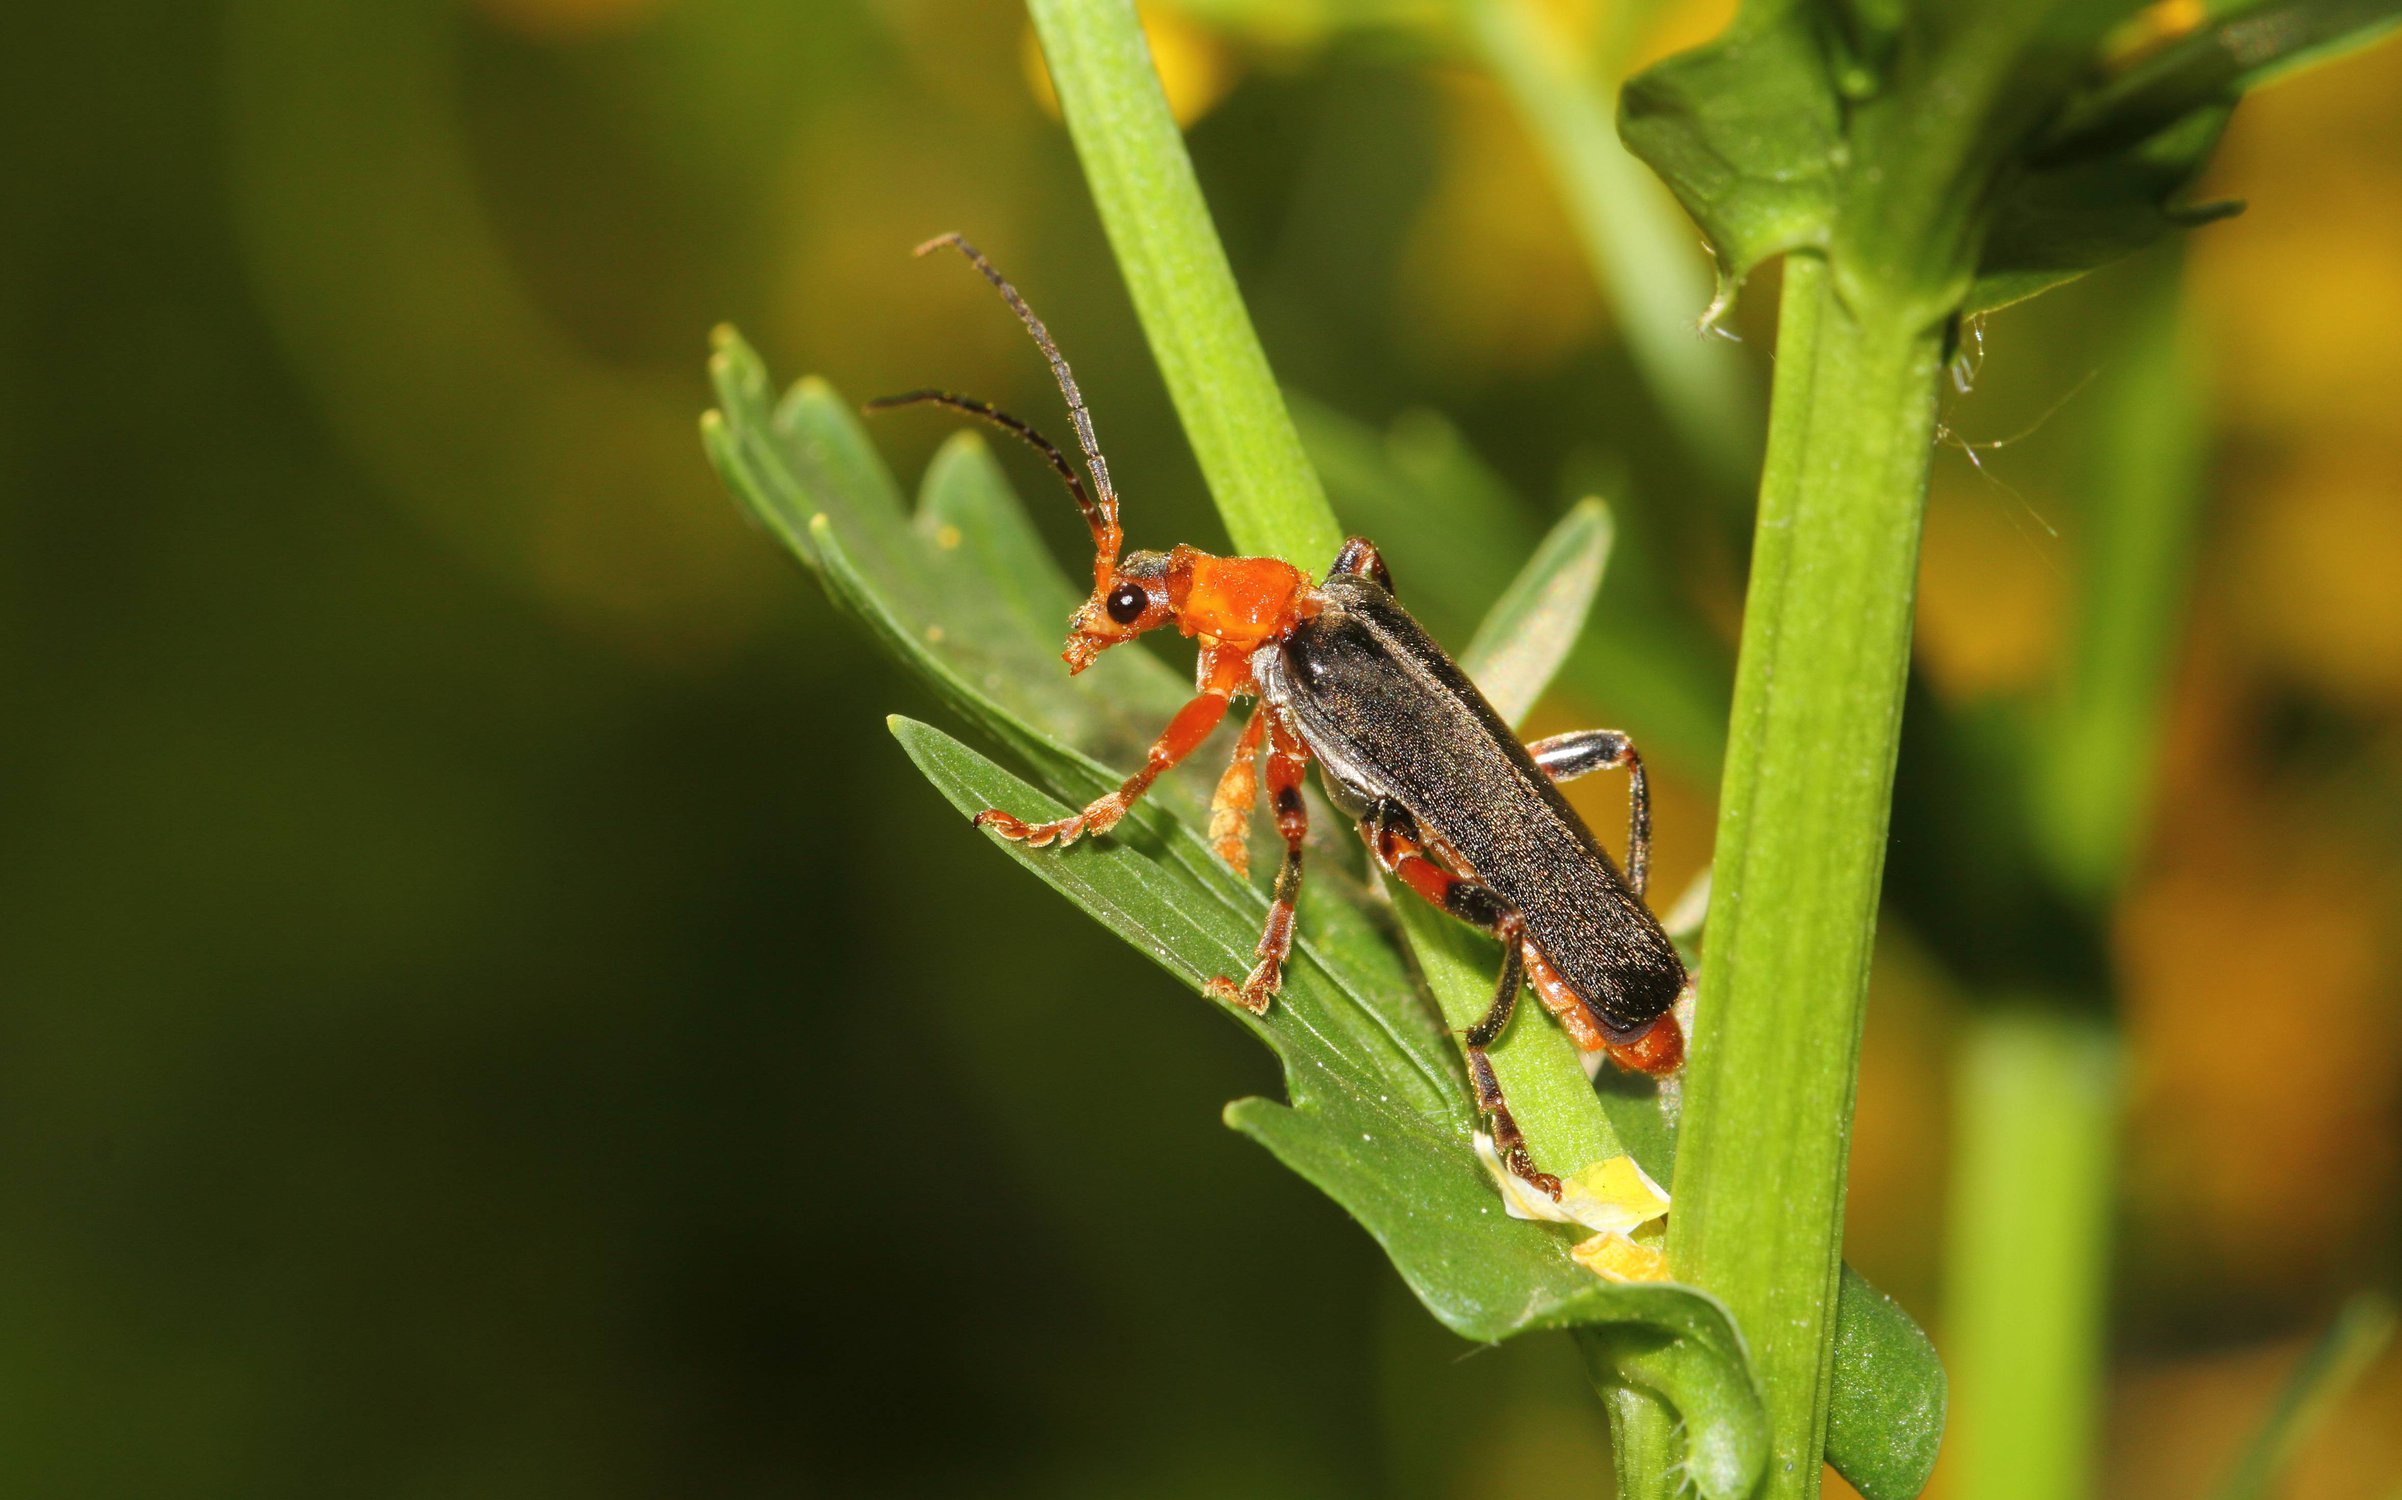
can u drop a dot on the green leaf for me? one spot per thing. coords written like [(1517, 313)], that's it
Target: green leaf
[(1452, 530), (1379, 1121), (2107, 177), (1886, 1407), (2212, 64), (2056, 223), (1379, 1116), (1748, 133)]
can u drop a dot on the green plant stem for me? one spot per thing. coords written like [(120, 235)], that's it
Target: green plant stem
[(2028, 1257), (2094, 776), (1176, 271), (1801, 837), (1643, 254), (2038, 1092)]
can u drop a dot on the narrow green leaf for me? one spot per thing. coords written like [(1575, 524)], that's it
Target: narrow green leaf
[(2328, 1372), (2212, 64), (1452, 530), (968, 506), (1535, 624)]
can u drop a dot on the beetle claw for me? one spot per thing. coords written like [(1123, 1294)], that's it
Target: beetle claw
[(1252, 997), (1063, 832)]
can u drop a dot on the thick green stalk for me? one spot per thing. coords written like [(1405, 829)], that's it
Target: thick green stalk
[(1166, 247), (2027, 1263), (1801, 840)]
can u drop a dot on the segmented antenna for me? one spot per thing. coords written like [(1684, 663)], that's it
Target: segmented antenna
[(1101, 507), (1007, 423)]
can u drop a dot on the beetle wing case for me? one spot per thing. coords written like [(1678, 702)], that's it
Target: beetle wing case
[(1391, 716)]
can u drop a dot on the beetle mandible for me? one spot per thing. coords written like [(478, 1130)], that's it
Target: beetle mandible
[(1446, 797)]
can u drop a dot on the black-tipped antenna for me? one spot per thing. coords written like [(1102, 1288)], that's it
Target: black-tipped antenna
[(1007, 423), (1101, 511)]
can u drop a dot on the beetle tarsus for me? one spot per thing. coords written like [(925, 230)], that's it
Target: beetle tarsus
[(1508, 1139), (1062, 831), (1255, 994)]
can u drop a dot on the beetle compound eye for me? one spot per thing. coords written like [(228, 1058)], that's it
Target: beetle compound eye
[(1126, 603)]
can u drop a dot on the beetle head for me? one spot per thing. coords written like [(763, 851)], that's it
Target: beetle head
[(1130, 596)]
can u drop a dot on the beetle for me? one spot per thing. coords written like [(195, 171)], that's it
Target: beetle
[(1446, 797)]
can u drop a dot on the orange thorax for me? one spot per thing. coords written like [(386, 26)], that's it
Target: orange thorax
[(1241, 601)]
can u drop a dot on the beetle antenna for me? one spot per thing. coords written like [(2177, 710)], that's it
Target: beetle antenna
[(1007, 423), (1101, 507)]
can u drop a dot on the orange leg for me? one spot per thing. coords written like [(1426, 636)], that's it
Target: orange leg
[(1288, 759), (1188, 729), (1238, 792), (1396, 846)]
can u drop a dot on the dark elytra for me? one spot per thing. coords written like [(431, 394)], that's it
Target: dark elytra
[(1391, 716)]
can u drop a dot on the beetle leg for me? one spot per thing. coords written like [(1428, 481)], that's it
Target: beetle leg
[(1288, 759), (1359, 555), (1564, 757), (1188, 729), (1238, 792), (1393, 837)]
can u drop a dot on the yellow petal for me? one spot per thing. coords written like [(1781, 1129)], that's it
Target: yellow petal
[(1613, 1195), (1614, 1257)]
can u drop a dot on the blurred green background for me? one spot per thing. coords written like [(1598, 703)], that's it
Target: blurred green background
[(490, 1012)]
